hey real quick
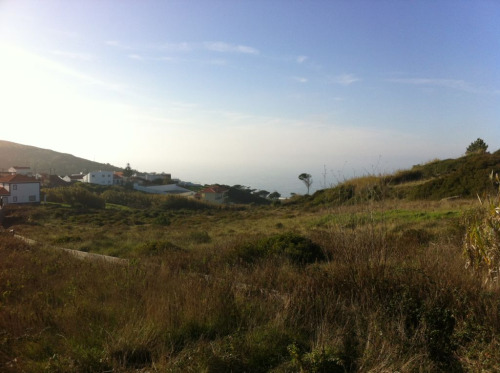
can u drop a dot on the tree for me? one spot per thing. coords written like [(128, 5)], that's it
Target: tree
[(274, 196), (477, 147), (307, 180), (127, 172), (262, 193)]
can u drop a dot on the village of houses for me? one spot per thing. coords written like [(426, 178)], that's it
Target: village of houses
[(20, 185)]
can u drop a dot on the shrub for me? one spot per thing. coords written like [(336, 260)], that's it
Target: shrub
[(406, 176), (152, 248), (316, 361), (177, 203), (127, 198), (162, 219), (294, 247), (440, 326), (200, 237), (75, 196), (482, 237)]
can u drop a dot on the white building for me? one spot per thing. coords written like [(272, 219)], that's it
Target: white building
[(19, 189), (214, 194), (152, 176), (20, 170), (99, 177)]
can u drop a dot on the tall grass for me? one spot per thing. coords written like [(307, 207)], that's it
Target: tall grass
[(387, 296)]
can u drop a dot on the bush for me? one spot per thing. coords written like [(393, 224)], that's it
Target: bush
[(200, 237), (75, 196), (294, 247), (405, 176), (127, 198), (178, 203), (152, 248), (316, 361), (162, 219), (439, 332), (482, 240)]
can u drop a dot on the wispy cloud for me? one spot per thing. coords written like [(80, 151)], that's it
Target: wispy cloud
[(141, 57), (44, 64), (217, 62), (461, 85), (301, 59), (118, 44), (136, 57), (173, 47), (220, 46), (345, 79), (300, 79), (185, 47), (74, 55)]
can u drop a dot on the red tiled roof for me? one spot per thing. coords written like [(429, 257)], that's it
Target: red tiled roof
[(214, 189), (18, 179), (4, 192)]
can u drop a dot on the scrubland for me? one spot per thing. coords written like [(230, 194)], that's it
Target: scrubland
[(378, 286)]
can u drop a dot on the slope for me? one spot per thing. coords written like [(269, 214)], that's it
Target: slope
[(45, 160)]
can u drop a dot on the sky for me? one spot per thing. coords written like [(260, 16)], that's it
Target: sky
[(252, 92)]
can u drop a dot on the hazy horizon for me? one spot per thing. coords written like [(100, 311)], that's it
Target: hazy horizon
[(251, 92)]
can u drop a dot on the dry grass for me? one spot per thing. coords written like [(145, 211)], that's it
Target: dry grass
[(392, 296)]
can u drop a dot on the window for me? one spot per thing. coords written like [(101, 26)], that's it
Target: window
[(32, 198), (14, 186), (15, 199)]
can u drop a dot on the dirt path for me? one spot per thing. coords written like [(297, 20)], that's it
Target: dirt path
[(79, 254)]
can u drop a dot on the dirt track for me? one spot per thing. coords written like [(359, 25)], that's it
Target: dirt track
[(79, 254)]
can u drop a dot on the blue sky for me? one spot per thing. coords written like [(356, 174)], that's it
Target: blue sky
[(252, 92)]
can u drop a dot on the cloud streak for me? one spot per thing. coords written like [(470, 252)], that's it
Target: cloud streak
[(185, 47), (117, 44), (301, 59), (223, 47), (300, 79), (460, 85), (345, 79)]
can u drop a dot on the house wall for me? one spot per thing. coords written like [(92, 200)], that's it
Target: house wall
[(99, 177), (22, 193), (214, 197)]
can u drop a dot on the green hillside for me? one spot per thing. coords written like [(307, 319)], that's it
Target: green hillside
[(45, 160), (463, 177)]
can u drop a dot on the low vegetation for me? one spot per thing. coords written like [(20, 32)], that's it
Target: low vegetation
[(356, 278)]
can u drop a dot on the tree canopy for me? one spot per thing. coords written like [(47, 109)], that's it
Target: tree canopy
[(307, 180), (127, 171), (478, 146)]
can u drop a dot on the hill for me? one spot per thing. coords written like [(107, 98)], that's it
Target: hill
[(464, 177), (45, 160)]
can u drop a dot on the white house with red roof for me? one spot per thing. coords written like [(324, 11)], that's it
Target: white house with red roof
[(214, 194), (19, 189)]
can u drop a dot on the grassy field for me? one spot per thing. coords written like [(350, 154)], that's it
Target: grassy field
[(375, 286)]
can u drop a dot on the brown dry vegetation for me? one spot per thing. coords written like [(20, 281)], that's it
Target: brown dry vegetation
[(205, 291)]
